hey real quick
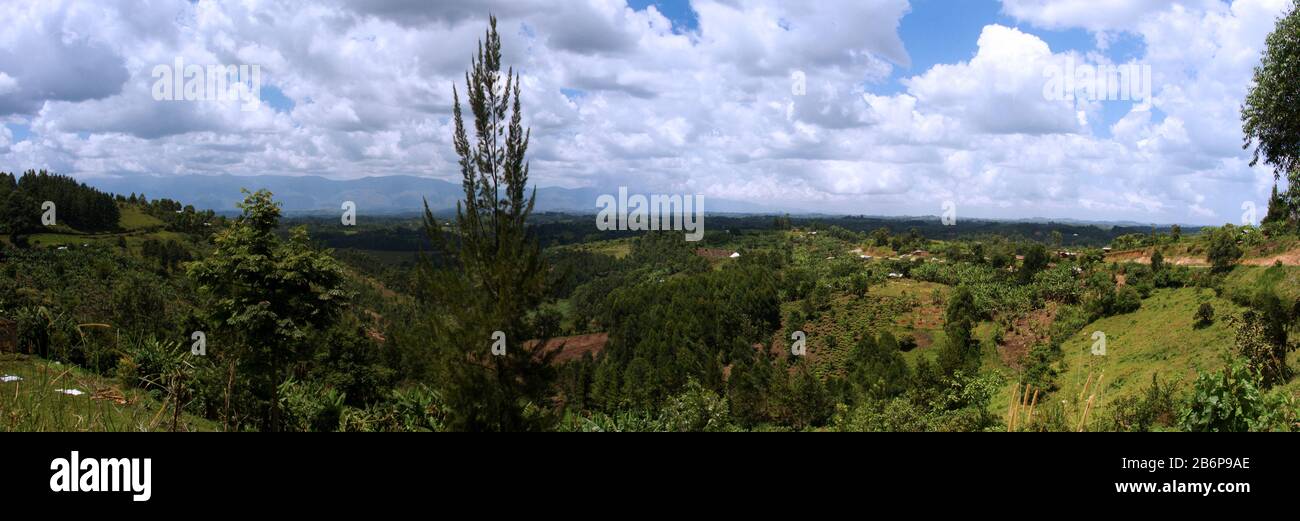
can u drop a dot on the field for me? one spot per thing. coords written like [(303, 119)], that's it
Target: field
[(37, 402)]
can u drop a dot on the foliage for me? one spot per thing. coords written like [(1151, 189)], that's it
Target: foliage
[(1262, 339), (1270, 111), (1156, 407), (1204, 314), (1233, 400), (268, 295), (489, 273), (1223, 251)]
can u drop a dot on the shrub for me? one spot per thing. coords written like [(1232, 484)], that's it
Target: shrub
[(696, 409), (1204, 314), (310, 406), (1233, 400), (1155, 407)]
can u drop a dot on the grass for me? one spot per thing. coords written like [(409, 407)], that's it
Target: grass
[(133, 218), (1244, 282), (1159, 339), (617, 248), (35, 404)]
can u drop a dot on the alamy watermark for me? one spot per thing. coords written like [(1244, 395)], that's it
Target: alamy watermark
[(48, 211), (200, 345), (949, 217), (800, 345), (77, 474), (1249, 216), (1087, 82), (655, 212), (180, 82), (349, 217)]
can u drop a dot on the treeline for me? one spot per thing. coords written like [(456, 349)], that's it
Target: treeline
[(76, 204)]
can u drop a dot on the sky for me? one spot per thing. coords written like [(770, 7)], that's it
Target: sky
[(876, 107)]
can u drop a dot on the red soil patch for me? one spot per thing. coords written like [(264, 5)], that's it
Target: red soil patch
[(376, 330), (713, 253), (923, 316), (1290, 258), (1143, 256), (1027, 331), (573, 348), (923, 339)]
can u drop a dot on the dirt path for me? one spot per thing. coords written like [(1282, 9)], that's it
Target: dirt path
[(1290, 258)]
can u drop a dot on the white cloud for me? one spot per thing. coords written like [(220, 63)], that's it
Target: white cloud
[(619, 96), (1094, 15)]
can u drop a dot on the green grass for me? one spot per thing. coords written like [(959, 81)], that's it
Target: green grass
[(34, 404), (1245, 281), (1159, 339), (617, 248), (133, 218)]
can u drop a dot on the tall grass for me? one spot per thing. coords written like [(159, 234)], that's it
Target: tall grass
[(36, 404)]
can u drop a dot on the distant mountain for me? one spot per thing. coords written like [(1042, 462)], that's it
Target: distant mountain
[(388, 194)]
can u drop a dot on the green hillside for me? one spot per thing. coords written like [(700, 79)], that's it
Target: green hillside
[(38, 401)]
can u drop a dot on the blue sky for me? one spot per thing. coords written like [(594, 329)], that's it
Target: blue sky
[(905, 105), (945, 31)]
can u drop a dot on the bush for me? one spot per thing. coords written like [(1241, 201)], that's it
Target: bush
[(310, 406), (1233, 400), (1223, 251), (1156, 407), (1204, 314), (1127, 300), (417, 409), (696, 409)]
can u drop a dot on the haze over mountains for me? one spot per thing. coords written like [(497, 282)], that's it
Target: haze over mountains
[(386, 194), (405, 194)]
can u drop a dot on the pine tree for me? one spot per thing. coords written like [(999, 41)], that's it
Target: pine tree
[(1277, 209), (490, 274)]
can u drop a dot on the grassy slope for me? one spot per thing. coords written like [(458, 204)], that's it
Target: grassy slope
[(33, 404), (137, 226), (133, 218), (1245, 281), (1157, 339)]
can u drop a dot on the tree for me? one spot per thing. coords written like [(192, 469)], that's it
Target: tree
[(1204, 314), (1262, 338), (1277, 210), (1035, 261), (19, 213), (877, 369), (879, 237), (491, 274), (961, 351), (1270, 112), (1157, 261), (268, 294), (1176, 232), (1223, 251)]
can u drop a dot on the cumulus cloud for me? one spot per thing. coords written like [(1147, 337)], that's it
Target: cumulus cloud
[(778, 103)]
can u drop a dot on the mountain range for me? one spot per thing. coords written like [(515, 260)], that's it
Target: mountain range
[(385, 195)]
